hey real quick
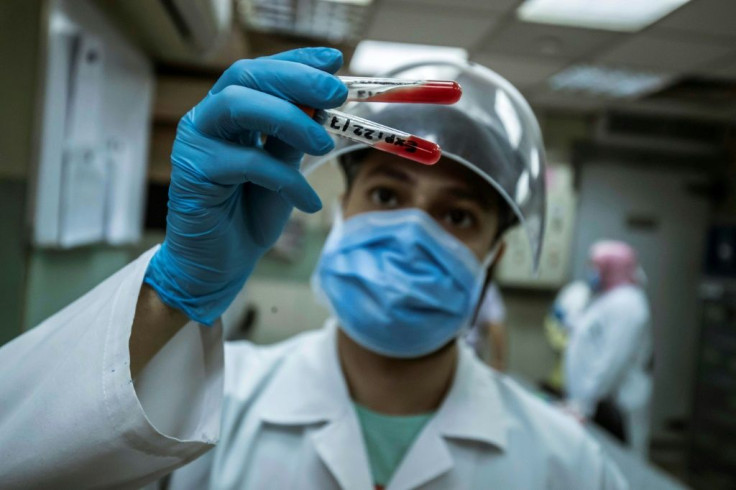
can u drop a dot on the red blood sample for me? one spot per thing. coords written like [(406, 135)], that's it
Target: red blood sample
[(309, 111), (430, 92), (413, 148)]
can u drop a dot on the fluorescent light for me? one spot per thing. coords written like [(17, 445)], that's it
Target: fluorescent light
[(376, 57), (362, 3), (607, 82), (332, 20), (614, 15)]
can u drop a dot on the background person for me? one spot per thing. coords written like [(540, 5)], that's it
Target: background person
[(608, 359)]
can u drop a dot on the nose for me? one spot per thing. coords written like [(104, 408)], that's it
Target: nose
[(422, 201)]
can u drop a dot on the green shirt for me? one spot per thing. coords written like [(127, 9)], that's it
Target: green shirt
[(387, 438)]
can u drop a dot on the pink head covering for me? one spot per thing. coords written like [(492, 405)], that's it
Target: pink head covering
[(616, 262)]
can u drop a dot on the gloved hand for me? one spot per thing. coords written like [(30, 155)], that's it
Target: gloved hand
[(230, 194)]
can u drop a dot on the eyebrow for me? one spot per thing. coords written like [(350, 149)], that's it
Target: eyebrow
[(390, 171), (473, 194), (485, 200)]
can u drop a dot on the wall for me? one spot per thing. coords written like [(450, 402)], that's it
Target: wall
[(19, 42), (34, 283), (12, 257), (19, 51), (529, 352), (57, 278)]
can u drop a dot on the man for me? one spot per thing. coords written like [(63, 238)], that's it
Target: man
[(608, 359), (121, 388)]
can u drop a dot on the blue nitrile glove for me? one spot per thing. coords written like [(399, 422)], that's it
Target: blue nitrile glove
[(230, 194)]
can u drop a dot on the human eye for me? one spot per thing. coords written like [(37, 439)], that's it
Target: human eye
[(460, 218), (384, 197)]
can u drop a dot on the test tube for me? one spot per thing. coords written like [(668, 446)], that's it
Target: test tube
[(368, 89), (377, 135)]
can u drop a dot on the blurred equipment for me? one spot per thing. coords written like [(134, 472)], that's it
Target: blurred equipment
[(566, 310), (554, 261), (94, 132), (647, 131), (720, 252), (334, 21), (173, 30), (608, 359), (712, 454)]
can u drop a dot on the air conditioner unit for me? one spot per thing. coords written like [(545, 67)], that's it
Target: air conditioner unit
[(661, 132), (172, 30)]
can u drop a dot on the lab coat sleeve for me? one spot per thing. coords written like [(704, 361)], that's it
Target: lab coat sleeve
[(599, 355), (70, 415)]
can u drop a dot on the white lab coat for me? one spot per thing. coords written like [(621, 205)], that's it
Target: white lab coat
[(609, 355), (72, 418)]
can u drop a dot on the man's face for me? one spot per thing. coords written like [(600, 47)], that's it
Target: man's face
[(456, 197)]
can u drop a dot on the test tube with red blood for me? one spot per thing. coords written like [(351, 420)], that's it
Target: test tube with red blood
[(384, 138), (376, 135), (369, 89)]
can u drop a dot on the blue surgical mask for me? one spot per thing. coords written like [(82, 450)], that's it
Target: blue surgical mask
[(398, 283)]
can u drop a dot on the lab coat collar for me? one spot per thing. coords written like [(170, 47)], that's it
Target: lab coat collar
[(473, 409), (310, 388)]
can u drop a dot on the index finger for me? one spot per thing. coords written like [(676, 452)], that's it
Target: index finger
[(288, 80), (325, 59)]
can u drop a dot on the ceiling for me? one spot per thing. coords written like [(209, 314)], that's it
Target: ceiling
[(697, 40)]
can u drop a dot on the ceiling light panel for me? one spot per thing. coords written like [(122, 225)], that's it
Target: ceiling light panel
[(613, 15), (331, 20), (376, 57), (497, 6), (601, 81)]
